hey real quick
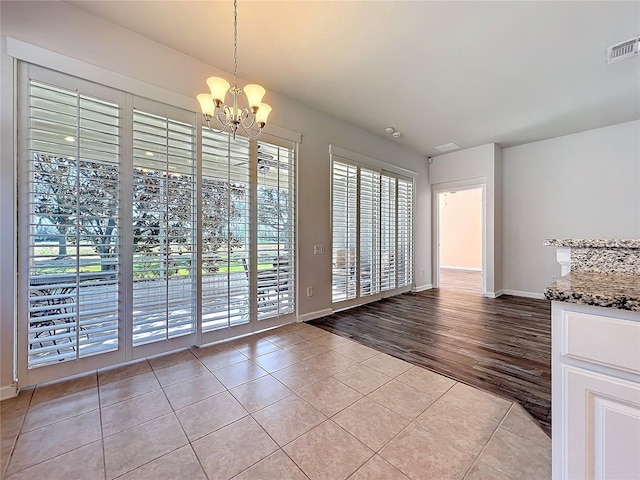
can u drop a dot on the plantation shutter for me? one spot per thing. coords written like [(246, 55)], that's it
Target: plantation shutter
[(405, 232), (369, 232), (372, 219), (134, 240), (344, 222), (164, 293), (275, 229), (388, 232), (226, 226), (73, 145)]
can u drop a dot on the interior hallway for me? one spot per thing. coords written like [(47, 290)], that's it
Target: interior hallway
[(463, 281)]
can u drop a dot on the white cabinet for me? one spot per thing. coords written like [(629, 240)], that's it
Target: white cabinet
[(596, 392)]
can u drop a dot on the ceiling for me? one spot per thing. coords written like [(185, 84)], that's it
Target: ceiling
[(464, 72)]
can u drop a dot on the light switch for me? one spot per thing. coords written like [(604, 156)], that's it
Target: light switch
[(318, 249)]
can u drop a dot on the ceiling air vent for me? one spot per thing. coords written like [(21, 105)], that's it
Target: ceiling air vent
[(447, 147), (623, 50)]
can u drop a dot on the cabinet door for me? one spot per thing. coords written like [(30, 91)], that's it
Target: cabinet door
[(602, 429)]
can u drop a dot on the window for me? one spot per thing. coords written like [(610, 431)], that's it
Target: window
[(405, 232), (71, 185), (344, 224), (372, 221), (276, 230), (164, 214), (140, 231), (226, 222)]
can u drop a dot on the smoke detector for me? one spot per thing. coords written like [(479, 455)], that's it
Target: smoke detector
[(624, 50), (393, 132)]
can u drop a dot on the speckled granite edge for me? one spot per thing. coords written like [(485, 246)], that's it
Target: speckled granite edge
[(597, 289), (622, 261), (592, 243)]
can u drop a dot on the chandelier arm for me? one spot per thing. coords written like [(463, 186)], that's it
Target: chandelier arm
[(252, 133), (248, 117), (226, 119), (207, 119)]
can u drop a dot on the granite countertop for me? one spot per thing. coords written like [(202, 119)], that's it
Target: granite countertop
[(592, 243), (597, 289)]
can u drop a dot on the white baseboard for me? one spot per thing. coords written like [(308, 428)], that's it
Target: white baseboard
[(8, 391), (305, 317), (519, 293), (470, 269), (494, 294), (422, 288)]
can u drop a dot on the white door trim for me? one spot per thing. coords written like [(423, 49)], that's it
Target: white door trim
[(439, 189)]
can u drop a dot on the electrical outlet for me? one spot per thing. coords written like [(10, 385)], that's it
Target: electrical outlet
[(309, 291), (318, 249)]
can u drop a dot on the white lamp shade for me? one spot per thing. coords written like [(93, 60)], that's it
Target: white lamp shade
[(219, 88), (206, 104), (263, 113), (254, 94)]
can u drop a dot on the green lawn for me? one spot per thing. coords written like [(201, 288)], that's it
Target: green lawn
[(49, 262)]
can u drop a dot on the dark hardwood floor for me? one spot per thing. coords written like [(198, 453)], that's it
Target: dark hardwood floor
[(501, 345)]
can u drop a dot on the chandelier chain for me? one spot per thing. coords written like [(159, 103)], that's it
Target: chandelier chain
[(231, 116), (235, 43)]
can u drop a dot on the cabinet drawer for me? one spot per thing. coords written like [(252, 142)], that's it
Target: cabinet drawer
[(607, 341)]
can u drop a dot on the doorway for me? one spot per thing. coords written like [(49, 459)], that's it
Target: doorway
[(460, 240)]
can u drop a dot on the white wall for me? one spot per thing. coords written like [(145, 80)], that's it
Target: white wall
[(585, 185), (62, 28), (477, 166)]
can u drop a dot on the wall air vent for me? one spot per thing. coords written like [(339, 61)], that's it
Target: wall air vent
[(623, 50)]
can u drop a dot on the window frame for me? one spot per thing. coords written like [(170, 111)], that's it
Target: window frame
[(127, 102), (363, 163)]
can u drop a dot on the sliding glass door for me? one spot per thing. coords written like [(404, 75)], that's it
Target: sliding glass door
[(372, 231), (140, 231)]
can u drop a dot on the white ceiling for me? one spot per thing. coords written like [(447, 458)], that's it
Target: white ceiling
[(440, 72)]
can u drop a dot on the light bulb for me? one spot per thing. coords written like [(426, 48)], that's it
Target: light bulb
[(262, 113), (206, 104), (219, 88), (254, 94)]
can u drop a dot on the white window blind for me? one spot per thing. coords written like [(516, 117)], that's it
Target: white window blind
[(405, 232), (128, 230), (226, 225), (275, 230), (369, 232), (388, 232), (164, 294), (73, 171), (372, 220), (344, 220)]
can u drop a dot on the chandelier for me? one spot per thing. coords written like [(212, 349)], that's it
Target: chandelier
[(230, 117)]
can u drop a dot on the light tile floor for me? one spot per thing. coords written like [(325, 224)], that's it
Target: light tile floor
[(292, 403)]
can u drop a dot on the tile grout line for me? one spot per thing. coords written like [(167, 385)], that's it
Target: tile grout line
[(172, 411), (104, 454), (15, 440), (300, 361), (45, 426), (477, 459)]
